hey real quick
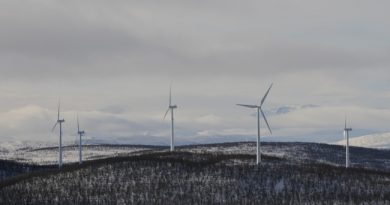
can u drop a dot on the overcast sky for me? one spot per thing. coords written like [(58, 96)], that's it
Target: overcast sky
[(113, 61)]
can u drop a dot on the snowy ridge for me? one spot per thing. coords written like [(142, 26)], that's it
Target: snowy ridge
[(42, 153), (380, 140), (296, 152)]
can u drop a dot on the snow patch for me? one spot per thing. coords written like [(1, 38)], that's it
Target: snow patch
[(380, 140)]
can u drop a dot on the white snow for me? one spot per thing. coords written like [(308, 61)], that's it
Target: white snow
[(379, 140), (47, 153)]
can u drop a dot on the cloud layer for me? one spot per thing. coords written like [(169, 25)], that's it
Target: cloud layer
[(112, 62)]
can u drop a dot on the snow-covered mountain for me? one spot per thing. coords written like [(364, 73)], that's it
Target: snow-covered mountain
[(379, 140)]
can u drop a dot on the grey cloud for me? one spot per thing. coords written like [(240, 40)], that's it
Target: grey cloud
[(100, 39), (115, 109), (289, 108)]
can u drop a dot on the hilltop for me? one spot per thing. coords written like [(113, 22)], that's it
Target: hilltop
[(291, 173)]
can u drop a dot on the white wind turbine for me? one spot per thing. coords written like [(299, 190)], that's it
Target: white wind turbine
[(81, 133), (259, 110), (171, 108), (59, 121), (346, 137)]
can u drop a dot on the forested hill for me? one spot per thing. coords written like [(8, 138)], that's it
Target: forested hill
[(199, 177)]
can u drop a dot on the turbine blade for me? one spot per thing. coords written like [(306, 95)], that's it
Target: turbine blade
[(250, 106), (345, 122), (54, 127), (266, 94), (266, 122), (78, 125), (166, 113), (170, 95), (58, 113)]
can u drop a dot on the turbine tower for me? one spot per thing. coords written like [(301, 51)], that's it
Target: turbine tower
[(171, 108), (346, 137), (59, 121), (259, 110), (81, 133)]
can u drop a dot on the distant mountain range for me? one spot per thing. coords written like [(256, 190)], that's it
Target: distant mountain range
[(379, 140)]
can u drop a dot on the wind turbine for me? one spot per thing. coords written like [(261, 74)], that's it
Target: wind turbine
[(171, 108), (259, 110), (59, 121), (81, 133), (346, 137)]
